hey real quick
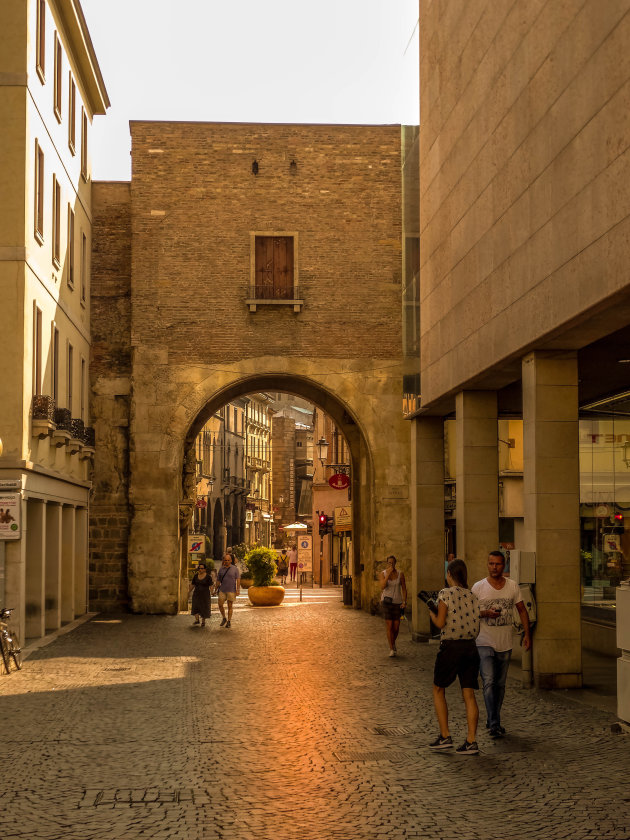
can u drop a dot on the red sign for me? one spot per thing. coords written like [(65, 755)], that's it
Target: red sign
[(201, 503), (339, 481)]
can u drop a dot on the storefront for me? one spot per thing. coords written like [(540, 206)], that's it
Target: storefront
[(604, 504)]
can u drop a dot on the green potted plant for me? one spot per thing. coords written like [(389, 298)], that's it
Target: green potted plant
[(261, 562)]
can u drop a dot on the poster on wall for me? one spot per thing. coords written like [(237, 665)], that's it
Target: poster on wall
[(196, 544), (305, 553), (10, 505)]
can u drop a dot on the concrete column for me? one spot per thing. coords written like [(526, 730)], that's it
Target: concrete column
[(35, 584), (80, 561), (427, 517), (15, 575), (551, 500), (68, 517), (477, 479), (53, 566)]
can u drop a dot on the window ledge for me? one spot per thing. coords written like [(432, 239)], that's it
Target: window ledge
[(296, 303)]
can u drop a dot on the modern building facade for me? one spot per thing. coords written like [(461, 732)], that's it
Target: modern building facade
[(50, 90), (525, 307)]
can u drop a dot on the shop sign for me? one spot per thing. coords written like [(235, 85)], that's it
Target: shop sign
[(7, 484), (339, 481), (196, 544), (10, 506), (612, 542), (305, 553), (343, 518)]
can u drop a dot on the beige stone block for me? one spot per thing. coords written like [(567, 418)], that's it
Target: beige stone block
[(557, 439), (557, 368), (428, 496), (484, 491), (430, 473), (478, 432), (556, 475), (476, 461), (549, 402), (428, 429), (478, 516), (550, 511), (558, 548), (557, 656), (476, 404), (558, 585)]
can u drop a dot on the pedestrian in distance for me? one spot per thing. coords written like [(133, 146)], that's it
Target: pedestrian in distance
[(228, 588), (200, 587), (456, 614), (283, 566), (393, 600), (498, 596), (293, 563)]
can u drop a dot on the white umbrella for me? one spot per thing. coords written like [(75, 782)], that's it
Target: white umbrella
[(297, 526)]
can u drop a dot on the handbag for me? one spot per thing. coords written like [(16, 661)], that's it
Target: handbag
[(387, 599)]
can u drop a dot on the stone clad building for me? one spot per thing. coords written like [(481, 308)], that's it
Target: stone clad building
[(280, 244), (50, 90), (525, 301)]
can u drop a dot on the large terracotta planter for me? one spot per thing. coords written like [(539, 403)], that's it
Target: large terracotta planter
[(246, 582), (266, 596)]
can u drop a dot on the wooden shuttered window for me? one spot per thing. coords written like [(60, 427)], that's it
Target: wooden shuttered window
[(274, 268)]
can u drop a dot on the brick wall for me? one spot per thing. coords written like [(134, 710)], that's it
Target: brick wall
[(110, 370), (192, 264)]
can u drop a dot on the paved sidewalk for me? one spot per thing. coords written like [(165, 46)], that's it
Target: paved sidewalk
[(292, 724)]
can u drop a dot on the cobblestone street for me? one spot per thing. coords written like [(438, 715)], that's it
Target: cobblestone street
[(292, 724)]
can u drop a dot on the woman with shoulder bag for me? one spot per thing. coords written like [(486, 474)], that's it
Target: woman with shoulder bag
[(200, 587), (393, 600)]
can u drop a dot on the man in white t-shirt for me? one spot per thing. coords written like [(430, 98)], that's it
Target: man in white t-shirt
[(497, 596)]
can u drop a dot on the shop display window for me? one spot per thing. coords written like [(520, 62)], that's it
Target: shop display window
[(604, 499)]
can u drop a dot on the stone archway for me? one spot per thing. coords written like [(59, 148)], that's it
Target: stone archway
[(378, 441)]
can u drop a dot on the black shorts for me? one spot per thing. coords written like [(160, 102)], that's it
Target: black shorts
[(391, 612), (457, 658)]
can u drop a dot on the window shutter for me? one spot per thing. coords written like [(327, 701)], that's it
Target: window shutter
[(264, 267), (283, 267)]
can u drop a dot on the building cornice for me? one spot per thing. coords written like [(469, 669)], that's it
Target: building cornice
[(80, 43)]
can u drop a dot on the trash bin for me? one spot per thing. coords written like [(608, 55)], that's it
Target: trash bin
[(347, 591)]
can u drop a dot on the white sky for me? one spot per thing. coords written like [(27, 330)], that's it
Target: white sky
[(332, 61)]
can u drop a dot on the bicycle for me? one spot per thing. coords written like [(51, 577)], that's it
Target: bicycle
[(9, 644)]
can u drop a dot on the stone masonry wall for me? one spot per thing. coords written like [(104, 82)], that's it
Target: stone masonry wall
[(524, 166), (195, 202), (110, 369)]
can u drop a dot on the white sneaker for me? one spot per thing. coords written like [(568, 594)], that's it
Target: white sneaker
[(392, 653)]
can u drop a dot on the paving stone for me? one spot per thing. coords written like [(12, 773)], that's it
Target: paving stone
[(144, 728)]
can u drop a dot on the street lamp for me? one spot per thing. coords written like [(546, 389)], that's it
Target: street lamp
[(322, 449)]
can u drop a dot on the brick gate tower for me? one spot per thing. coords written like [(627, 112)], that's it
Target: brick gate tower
[(242, 258)]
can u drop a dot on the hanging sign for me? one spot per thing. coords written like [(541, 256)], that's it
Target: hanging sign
[(338, 481), (201, 503), (10, 506)]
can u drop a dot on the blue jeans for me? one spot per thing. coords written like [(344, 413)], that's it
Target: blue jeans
[(493, 667)]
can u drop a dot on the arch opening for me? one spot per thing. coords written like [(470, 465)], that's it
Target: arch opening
[(300, 479)]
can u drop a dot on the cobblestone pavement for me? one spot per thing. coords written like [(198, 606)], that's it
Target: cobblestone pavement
[(294, 723)]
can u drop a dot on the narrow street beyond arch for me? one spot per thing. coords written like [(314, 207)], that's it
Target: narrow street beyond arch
[(293, 724)]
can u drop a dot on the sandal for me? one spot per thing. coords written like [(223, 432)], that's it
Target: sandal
[(203, 623), (196, 621)]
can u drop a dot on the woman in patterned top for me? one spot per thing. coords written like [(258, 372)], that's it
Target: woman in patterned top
[(458, 618)]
